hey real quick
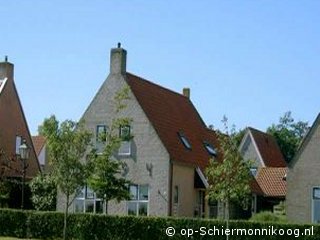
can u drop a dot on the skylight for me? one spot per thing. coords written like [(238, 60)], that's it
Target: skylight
[(184, 140), (211, 150)]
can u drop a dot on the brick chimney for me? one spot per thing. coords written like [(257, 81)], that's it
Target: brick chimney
[(186, 92), (6, 69), (118, 60)]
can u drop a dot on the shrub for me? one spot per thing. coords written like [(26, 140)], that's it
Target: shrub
[(268, 217), (13, 223), (49, 225)]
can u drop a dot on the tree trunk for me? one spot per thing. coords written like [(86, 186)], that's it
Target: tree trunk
[(227, 210), (65, 218)]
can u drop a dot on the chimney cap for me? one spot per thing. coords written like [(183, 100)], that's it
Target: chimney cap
[(186, 92)]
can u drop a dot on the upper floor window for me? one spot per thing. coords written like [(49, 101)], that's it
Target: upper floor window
[(18, 144), (184, 140), (210, 149), (125, 135), (138, 205), (101, 131)]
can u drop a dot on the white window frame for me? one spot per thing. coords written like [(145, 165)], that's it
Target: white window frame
[(313, 200), (125, 153), (100, 144), (185, 141), (84, 199), (126, 143), (138, 201), (210, 149), (18, 144)]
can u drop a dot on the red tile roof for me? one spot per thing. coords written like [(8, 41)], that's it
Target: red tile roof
[(255, 188), (271, 181), (170, 113), (38, 143), (268, 148)]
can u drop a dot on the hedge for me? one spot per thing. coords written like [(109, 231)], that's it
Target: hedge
[(49, 225)]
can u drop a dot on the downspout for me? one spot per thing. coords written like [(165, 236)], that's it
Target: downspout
[(170, 187)]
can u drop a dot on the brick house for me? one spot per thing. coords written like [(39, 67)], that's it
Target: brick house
[(269, 169), (303, 190), (168, 154), (13, 130)]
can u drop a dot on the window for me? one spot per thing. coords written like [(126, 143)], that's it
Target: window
[(253, 171), (200, 204), (211, 150), (101, 131), (18, 143), (138, 205), (245, 145), (125, 135), (316, 205), (184, 140), (88, 201)]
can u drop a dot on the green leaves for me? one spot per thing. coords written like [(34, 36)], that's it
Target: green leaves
[(106, 178), (288, 134), (229, 179), (67, 143), (44, 192)]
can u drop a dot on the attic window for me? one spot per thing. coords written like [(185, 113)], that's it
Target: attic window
[(184, 140), (124, 132), (211, 150)]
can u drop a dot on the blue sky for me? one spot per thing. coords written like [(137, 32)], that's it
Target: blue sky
[(249, 60)]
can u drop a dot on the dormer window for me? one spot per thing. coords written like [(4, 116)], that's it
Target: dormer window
[(184, 140), (210, 149)]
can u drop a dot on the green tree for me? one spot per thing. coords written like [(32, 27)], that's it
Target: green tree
[(228, 179), (44, 192), (70, 159), (288, 134), (106, 179)]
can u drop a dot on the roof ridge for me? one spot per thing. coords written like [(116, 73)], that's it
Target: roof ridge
[(157, 85), (259, 131)]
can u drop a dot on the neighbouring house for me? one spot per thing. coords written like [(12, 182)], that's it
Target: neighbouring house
[(303, 179), (268, 168), (40, 146), (167, 156), (13, 132)]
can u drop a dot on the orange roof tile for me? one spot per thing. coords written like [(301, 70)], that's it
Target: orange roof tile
[(172, 113), (272, 182)]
